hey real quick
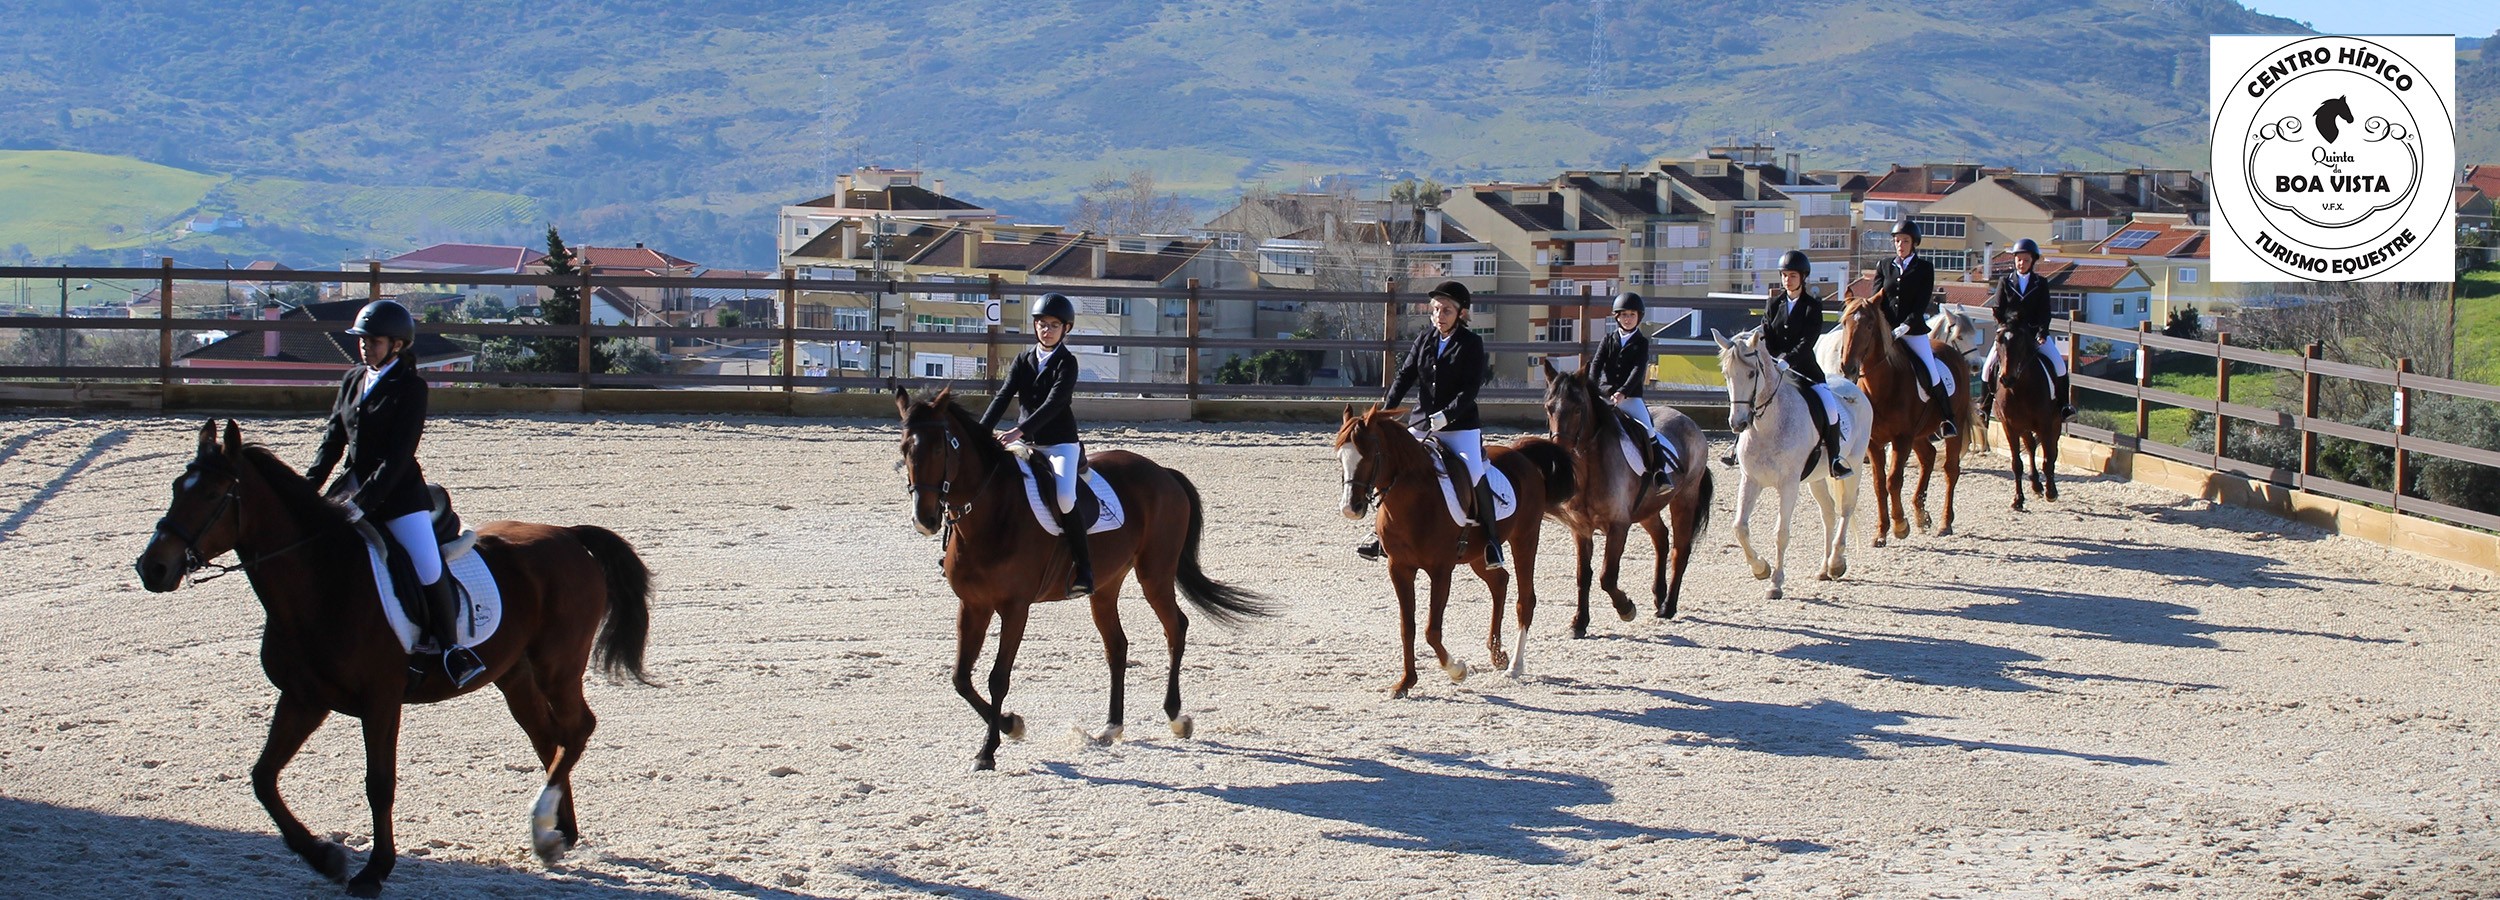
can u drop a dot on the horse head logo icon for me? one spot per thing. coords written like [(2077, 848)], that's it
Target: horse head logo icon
[(2326, 115)]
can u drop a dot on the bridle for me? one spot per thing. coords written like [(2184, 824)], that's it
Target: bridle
[(1369, 492), (1762, 375), (192, 562), (949, 509)]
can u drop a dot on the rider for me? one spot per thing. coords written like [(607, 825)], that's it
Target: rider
[(1908, 283), (1623, 369), (1042, 383), (1792, 318), (2022, 307), (375, 424), (1446, 366)]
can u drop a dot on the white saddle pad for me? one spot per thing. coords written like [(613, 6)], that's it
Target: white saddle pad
[(1505, 500), (485, 605), (1111, 518)]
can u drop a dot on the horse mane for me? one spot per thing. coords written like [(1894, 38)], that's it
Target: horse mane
[(1599, 411), (990, 452), (301, 498), (1896, 352)]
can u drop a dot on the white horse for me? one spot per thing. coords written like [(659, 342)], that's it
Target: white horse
[(1776, 440)]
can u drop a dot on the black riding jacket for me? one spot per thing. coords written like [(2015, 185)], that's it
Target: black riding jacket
[(2023, 309), (1445, 377), (377, 432), (1043, 386), (1791, 334), (1623, 363), (1908, 294)]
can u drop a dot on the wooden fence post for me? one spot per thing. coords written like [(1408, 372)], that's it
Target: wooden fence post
[(2143, 377), (1388, 332), (1189, 364), (2308, 411), (2404, 426), (789, 327), (2222, 395), (165, 327)]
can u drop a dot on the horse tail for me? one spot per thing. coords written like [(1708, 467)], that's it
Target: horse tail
[(1709, 488), (628, 628), (1561, 479), (1225, 603)]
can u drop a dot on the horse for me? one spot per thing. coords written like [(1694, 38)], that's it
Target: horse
[(2026, 402), (1777, 444), (328, 647), (1892, 375), (1949, 327), (1611, 497), (1386, 465), (966, 486)]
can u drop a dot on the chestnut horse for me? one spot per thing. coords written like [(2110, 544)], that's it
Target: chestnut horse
[(965, 485), (328, 648), (1611, 497), (1891, 374), (2026, 402), (1385, 464)]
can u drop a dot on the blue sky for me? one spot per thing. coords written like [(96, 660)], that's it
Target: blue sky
[(2457, 17)]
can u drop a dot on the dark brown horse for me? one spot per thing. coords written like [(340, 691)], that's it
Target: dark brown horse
[(2026, 402), (328, 648), (1386, 464), (1891, 373), (1000, 562), (1609, 496)]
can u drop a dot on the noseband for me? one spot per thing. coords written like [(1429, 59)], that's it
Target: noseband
[(949, 508)]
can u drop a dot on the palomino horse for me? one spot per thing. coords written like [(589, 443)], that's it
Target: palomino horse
[(328, 647), (1777, 444), (1387, 465), (2026, 402), (1609, 495), (1891, 375), (967, 486)]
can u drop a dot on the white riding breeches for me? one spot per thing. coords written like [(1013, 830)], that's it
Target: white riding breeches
[(414, 533), (2048, 347), (1639, 411), (1469, 445), (1063, 462), (1936, 374), (1831, 404)]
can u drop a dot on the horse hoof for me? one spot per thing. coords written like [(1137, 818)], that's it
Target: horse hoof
[(1183, 727), (1839, 569), (1946, 531), (333, 862), (1772, 594), (363, 888), (1666, 611), (1109, 735), (1398, 691), (1626, 611), (1457, 670), (984, 764), (545, 839), (1500, 659), (1013, 728), (1825, 575), (1763, 572)]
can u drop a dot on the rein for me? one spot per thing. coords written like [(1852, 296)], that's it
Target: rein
[(192, 562), (1371, 494), (1758, 403)]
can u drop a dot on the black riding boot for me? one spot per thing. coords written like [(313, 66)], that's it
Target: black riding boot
[(1080, 556), (1493, 556), (2065, 398), (1987, 396), (1945, 429), (442, 612), (1831, 448)]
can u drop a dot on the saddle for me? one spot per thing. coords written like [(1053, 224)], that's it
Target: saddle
[(1098, 507), (453, 540), (1652, 453), (1088, 506), (1449, 467)]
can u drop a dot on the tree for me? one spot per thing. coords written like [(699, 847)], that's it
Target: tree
[(730, 317), (1131, 206), (2184, 323), (1425, 193), (627, 356), (562, 306), (1345, 257)]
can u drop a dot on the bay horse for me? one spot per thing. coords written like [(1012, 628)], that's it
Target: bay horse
[(2026, 402), (966, 486), (328, 648), (1891, 374), (1386, 465), (1610, 496), (1776, 445)]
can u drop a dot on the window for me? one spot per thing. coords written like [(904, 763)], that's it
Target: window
[(1637, 277), (2187, 275), (1115, 306), (1527, 198), (1487, 266), (803, 232), (1818, 205), (1228, 240), (1562, 287), (1826, 239), (1562, 330), (1949, 260), (1883, 211), (2117, 306), (1544, 257), (1676, 236), (2143, 304), (1593, 253), (932, 370), (815, 315), (1286, 262), (846, 319), (1764, 221), (1941, 226), (2066, 301), (1697, 273)]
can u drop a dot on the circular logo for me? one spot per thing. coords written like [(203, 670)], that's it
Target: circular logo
[(2319, 161)]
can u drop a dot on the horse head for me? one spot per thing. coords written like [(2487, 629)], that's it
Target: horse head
[(1862, 333), (934, 450), (1368, 443), (2327, 114), (204, 519), (1570, 404), (1743, 364)]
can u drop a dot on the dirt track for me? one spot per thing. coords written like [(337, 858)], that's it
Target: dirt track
[(2144, 694)]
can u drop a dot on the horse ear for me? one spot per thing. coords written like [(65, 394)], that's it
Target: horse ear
[(944, 394), (1720, 338), (1349, 413), (902, 403), (1546, 363), (208, 436), (234, 439)]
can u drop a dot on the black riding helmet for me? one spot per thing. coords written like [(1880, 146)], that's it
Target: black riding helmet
[(1456, 292), (1905, 226), (385, 318), (1056, 306), (2027, 245), (1796, 261), (1628, 301)]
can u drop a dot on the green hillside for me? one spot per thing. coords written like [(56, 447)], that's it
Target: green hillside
[(685, 125), (52, 203)]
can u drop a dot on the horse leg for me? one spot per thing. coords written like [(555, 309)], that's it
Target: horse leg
[(1580, 538), (2048, 463), (549, 817), (1106, 607), (1879, 456), (293, 722), (1167, 609), (1745, 498), (1952, 481), (1496, 583), (1612, 580), (574, 725), (1926, 471), (1403, 578), (1456, 669), (972, 625), (1832, 568), (1523, 561), (1894, 477), (2014, 456), (1010, 639), (1665, 543), (1779, 550), (381, 786)]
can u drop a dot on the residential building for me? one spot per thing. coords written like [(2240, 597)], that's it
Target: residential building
[(1905, 192), (455, 259), (2067, 211), (294, 356), (873, 193)]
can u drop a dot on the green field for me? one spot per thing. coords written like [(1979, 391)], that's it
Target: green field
[(53, 202), (2478, 324)]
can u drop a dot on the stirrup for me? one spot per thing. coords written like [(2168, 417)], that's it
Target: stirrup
[(1370, 550), (461, 665)]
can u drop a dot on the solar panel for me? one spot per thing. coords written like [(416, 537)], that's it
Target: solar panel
[(2133, 238)]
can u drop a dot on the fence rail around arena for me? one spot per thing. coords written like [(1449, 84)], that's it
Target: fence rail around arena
[(1395, 307)]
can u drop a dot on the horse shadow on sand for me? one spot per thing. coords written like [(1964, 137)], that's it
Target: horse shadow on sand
[(2102, 617), (1924, 659), (59, 851), (104, 443), (1824, 728), (1411, 800)]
